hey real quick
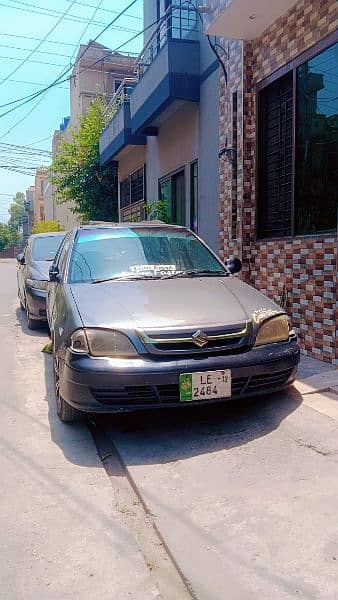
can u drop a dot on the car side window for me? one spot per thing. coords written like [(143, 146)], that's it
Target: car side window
[(61, 257)]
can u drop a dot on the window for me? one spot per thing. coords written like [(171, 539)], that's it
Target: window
[(61, 257), (316, 180), (139, 253), (172, 191), (194, 196), (132, 189), (275, 159), (298, 149), (46, 247)]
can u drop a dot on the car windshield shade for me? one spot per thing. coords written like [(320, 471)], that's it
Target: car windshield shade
[(45, 248), (139, 253)]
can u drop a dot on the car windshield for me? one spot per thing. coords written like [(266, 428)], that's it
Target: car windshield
[(45, 248), (139, 253)]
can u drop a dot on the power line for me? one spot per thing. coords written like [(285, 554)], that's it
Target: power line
[(26, 37), (54, 13), (38, 45), (29, 98), (57, 81), (107, 10), (34, 83), (37, 62), (36, 51), (59, 78)]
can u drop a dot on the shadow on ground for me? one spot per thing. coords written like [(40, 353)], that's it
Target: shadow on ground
[(172, 435), (41, 331)]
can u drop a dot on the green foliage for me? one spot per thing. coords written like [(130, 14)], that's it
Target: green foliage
[(8, 237), (157, 210), (16, 211), (76, 172), (46, 226)]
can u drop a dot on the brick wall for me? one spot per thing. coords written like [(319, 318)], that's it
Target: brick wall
[(305, 268)]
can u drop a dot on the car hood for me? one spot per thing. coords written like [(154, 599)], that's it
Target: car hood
[(39, 269), (170, 303)]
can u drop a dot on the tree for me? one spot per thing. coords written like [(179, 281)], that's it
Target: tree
[(157, 210), (46, 226), (6, 237), (16, 210), (76, 171)]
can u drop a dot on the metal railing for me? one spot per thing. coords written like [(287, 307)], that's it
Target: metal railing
[(177, 23), (121, 96)]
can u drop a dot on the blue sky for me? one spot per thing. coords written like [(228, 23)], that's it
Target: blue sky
[(19, 20)]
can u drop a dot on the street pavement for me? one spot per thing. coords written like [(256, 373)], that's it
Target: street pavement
[(231, 502)]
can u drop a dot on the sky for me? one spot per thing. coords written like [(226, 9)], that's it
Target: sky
[(23, 23)]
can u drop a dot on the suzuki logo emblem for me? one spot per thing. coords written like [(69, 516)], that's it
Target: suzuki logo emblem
[(200, 338)]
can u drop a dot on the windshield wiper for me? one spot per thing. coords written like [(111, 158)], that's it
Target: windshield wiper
[(127, 277), (195, 273)]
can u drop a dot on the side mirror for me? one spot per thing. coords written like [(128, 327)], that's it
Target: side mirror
[(234, 265), (54, 273), (21, 259)]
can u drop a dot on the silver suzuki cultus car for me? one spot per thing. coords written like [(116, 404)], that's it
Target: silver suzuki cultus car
[(145, 315)]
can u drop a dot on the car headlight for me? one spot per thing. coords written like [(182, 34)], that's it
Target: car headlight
[(37, 284), (102, 343), (273, 330)]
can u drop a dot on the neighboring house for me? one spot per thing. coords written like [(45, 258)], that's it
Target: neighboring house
[(279, 144), (97, 71), (35, 195), (164, 135)]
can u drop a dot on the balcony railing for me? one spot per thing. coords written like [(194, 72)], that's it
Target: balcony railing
[(121, 96), (177, 23)]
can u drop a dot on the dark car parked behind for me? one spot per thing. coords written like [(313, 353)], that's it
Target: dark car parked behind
[(33, 274)]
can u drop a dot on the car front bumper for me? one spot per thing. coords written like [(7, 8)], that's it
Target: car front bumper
[(107, 385), (36, 303)]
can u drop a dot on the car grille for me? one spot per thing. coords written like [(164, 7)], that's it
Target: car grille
[(169, 394), (229, 339)]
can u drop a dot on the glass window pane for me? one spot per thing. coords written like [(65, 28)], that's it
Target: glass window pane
[(142, 252), (316, 181), (45, 248), (166, 196), (194, 196)]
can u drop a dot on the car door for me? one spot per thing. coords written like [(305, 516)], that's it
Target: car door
[(22, 274), (60, 262)]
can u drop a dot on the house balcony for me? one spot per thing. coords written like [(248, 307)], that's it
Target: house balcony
[(243, 19), (117, 135), (167, 72)]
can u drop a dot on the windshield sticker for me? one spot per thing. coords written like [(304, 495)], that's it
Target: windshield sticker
[(154, 269)]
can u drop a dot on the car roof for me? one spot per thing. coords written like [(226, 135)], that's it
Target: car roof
[(128, 225), (48, 234)]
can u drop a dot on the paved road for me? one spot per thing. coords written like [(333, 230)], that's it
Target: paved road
[(243, 497), (63, 527)]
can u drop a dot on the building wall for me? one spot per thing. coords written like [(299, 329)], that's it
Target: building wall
[(208, 172), (305, 268), (174, 148)]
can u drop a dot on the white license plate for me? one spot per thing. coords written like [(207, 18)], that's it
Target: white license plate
[(205, 386)]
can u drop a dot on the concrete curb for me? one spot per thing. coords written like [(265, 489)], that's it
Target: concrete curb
[(323, 382)]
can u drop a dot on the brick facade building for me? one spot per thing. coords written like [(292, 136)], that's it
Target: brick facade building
[(278, 172)]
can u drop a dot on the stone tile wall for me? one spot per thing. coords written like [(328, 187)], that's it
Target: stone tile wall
[(300, 272)]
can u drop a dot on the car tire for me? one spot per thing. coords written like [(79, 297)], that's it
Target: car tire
[(65, 412), (32, 324)]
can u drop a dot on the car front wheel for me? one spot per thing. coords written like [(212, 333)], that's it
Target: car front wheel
[(65, 412)]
